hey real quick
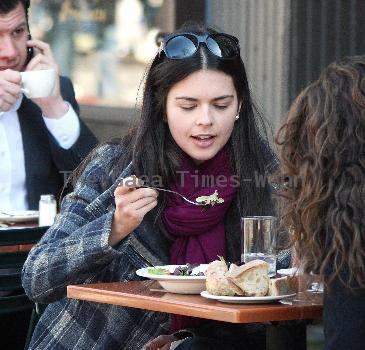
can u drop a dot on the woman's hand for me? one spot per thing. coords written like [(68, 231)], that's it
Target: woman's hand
[(162, 342), (131, 204)]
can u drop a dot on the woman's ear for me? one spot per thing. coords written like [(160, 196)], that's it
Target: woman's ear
[(239, 107), (238, 111)]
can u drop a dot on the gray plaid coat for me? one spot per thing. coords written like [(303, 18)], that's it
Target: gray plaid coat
[(75, 250)]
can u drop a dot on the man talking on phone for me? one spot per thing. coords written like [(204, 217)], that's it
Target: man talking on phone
[(41, 139)]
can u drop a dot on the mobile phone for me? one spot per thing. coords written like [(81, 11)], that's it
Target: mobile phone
[(30, 51)]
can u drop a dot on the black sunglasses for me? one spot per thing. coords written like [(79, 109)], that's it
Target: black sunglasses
[(183, 45)]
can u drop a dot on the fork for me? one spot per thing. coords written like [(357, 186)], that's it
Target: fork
[(174, 192)]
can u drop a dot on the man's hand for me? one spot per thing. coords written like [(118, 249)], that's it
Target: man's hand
[(131, 204), (53, 106), (162, 342), (10, 85)]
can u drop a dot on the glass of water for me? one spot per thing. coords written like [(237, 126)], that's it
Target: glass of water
[(258, 240)]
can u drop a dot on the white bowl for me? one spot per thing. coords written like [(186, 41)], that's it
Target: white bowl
[(183, 286), (177, 284)]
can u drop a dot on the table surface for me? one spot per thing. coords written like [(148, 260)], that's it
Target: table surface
[(19, 225), (26, 227), (138, 294)]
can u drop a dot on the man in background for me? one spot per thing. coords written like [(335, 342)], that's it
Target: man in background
[(40, 139)]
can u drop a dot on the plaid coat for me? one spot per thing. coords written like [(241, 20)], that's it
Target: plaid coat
[(75, 250)]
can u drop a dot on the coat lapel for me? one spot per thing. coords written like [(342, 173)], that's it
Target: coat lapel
[(34, 136)]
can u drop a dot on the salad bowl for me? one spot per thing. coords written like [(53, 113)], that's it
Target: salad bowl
[(193, 283)]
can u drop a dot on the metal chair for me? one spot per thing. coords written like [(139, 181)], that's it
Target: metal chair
[(13, 299)]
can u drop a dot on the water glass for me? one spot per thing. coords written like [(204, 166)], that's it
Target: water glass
[(258, 238)]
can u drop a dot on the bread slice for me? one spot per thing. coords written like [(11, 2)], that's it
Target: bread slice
[(252, 278), (282, 286), (233, 268), (217, 283)]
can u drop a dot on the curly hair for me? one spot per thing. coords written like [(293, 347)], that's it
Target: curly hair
[(322, 173)]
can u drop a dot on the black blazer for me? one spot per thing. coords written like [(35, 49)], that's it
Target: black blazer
[(45, 160)]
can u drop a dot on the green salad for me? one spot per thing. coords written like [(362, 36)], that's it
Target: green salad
[(183, 270), (158, 271)]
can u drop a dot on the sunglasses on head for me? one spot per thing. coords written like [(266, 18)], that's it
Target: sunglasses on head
[(183, 45)]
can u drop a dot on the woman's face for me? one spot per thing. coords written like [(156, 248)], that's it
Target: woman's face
[(201, 111)]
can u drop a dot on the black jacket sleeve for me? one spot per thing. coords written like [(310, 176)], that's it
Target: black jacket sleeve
[(68, 160)]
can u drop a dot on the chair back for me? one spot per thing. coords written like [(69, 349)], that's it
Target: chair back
[(12, 296), (21, 235)]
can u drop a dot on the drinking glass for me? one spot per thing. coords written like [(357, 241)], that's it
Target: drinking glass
[(258, 238)]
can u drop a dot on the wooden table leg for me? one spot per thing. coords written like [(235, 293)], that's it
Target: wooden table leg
[(286, 336)]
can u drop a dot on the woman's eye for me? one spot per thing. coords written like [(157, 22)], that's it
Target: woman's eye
[(221, 106), (187, 108)]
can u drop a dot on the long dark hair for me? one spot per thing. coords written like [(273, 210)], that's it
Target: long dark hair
[(322, 143), (153, 151)]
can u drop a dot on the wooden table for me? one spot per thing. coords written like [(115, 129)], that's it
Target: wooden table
[(28, 228), (138, 294)]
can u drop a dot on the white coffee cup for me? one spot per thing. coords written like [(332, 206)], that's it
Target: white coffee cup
[(38, 83)]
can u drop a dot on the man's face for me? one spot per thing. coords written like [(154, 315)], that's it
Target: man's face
[(13, 39)]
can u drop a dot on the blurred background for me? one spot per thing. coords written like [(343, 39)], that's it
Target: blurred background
[(106, 46)]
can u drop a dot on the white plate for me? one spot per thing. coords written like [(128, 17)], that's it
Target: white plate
[(287, 272), (18, 215), (177, 284), (244, 300)]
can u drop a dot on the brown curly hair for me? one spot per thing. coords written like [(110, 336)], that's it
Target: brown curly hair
[(322, 174)]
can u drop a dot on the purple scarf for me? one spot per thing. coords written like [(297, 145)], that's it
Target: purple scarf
[(198, 231)]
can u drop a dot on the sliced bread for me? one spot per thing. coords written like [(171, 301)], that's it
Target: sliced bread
[(282, 286), (252, 278), (217, 283)]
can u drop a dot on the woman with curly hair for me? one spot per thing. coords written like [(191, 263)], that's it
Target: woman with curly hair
[(322, 146)]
